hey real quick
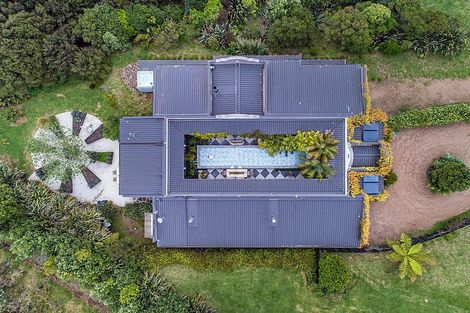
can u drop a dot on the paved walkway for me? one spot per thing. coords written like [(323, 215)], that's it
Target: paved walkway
[(108, 188)]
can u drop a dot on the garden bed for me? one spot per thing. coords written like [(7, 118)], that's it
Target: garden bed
[(91, 179)]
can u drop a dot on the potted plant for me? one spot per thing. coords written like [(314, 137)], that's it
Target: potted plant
[(204, 174)]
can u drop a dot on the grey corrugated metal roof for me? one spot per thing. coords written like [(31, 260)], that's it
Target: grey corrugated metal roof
[(141, 130), (237, 88), (141, 156), (242, 222), (365, 155), (177, 185), (295, 87)]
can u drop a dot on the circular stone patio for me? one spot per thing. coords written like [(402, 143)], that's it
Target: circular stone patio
[(108, 187)]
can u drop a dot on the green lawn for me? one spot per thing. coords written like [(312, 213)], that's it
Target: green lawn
[(375, 287), (35, 292)]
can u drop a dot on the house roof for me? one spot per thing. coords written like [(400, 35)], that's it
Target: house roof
[(273, 94), (258, 222)]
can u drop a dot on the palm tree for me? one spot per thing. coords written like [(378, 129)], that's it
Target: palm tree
[(324, 149), (316, 169), (412, 258)]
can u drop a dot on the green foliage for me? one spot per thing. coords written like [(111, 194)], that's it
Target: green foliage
[(411, 258), (107, 211), (448, 174), (324, 148), (390, 47), (10, 114), (390, 179), (316, 169), (379, 17), (291, 31), (139, 15), (301, 141), (136, 210), (169, 34), (129, 293), (3, 299), (276, 9), (9, 208), (333, 273), (432, 116), (215, 36), (91, 64), (194, 4), (214, 260), (61, 154), (242, 46), (104, 27), (349, 28), (450, 222), (448, 43), (208, 16)]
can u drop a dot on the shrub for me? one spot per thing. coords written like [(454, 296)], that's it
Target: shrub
[(390, 47), (349, 28), (169, 35), (448, 174), (9, 114), (379, 17), (208, 16), (215, 36), (136, 210), (293, 31), (432, 116), (91, 64), (450, 42), (247, 47), (276, 9), (138, 16), (334, 274), (3, 299), (8, 204), (104, 27), (128, 293), (390, 179)]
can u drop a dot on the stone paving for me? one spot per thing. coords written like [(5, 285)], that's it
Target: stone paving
[(108, 188)]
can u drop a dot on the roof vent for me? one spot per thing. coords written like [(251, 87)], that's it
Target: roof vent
[(133, 135), (192, 219), (160, 220), (273, 219)]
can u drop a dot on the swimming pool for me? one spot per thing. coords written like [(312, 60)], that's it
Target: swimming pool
[(244, 157)]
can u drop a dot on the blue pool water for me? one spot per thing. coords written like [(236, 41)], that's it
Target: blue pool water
[(244, 157)]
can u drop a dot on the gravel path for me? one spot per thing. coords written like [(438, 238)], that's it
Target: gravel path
[(391, 95), (411, 206)]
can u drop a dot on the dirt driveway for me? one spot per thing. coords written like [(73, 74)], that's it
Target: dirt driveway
[(391, 95), (411, 206)]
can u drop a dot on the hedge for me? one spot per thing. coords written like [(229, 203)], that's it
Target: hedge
[(334, 274), (432, 116)]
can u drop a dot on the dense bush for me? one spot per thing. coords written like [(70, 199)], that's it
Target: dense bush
[(9, 114), (349, 28), (291, 31), (91, 64), (390, 179), (136, 210), (334, 274), (138, 16), (3, 299), (215, 36), (448, 43), (105, 27), (208, 16), (276, 9), (169, 35), (379, 17), (8, 205), (432, 116), (448, 174)]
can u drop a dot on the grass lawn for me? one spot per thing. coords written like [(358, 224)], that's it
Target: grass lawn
[(35, 292), (376, 286)]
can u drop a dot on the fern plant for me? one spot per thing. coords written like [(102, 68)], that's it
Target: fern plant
[(412, 258), (314, 168)]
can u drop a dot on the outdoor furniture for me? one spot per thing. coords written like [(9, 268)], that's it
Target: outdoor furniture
[(78, 118), (236, 173), (371, 184), (91, 179), (371, 132), (236, 141), (96, 135), (67, 186)]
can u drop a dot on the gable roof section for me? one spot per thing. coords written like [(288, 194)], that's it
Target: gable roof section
[(181, 87), (178, 185), (141, 156), (237, 88), (240, 222), (304, 88)]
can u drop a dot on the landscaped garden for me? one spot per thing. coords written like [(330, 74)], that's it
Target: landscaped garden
[(74, 63)]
